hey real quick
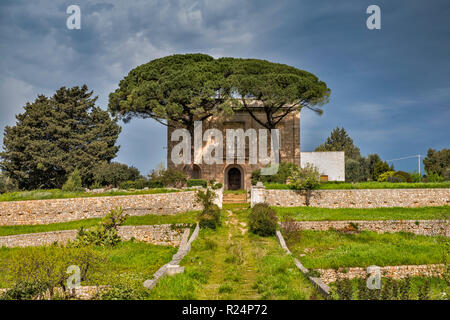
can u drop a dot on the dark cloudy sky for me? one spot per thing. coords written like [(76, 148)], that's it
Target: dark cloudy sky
[(390, 87)]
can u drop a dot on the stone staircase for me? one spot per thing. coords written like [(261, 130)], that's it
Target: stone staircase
[(234, 198)]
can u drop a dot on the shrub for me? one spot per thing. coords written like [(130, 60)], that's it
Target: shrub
[(73, 183), (197, 182), (216, 186), (263, 220), (284, 171), (42, 269), (24, 290), (7, 184), (434, 177), (416, 177), (384, 177), (104, 234), (173, 178), (210, 217), (306, 178), (138, 184), (112, 174), (403, 176), (290, 231), (205, 198)]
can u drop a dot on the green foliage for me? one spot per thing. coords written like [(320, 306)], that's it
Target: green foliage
[(114, 173), (24, 290), (197, 182), (380, 168), (438, 162), (385, 176), (210, 217), (104, 234), (73, 183), (339, 140), (55, 135), (262, 220), (6, 183), (434, 177), (173, 178), (402, 176), (355, 170), (306, 178), (416, 177), (42, 269), (216, 185), (284, 171)]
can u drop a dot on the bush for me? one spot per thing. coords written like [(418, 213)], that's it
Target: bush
[(416, 177), (173, 178), (434, 177), (205, 198), (216, 185), (39, 270), (284, 171), (210, 217), (306, 178), (263, 220), (402, 176), (385, 176), (104, 234), (138, 184), (112, 174), (197, 182), (73, 183), (7, 184)]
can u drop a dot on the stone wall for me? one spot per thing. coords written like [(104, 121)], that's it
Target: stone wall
[(394, 272), (63, 210), (162, 234), (421, 227), (358, 198)]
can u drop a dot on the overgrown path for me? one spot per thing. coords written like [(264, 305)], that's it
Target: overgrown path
[(232, 263)]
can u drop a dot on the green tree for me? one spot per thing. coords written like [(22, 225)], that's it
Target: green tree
[(114, 173), (306, 179), (339, 140), (438, 162), (73, 183), (380, 168), (56, 135), (281, 89)]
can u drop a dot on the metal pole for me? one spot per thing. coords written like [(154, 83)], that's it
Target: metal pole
[(419, 164)]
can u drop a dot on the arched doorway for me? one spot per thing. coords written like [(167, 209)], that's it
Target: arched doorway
[(234, 178), (194, 172)]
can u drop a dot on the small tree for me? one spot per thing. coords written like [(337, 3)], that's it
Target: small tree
[(263, 220), (73, 183), (306, 179)]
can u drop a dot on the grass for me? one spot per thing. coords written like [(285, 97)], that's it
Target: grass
[(241, 191), (128, 261), (397, 213), (59, 194), (232, 264), (334, 249), (439, 288), (151, 219), (368, 185)]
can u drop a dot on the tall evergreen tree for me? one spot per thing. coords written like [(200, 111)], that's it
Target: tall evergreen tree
[(56, 135), (339, 140)]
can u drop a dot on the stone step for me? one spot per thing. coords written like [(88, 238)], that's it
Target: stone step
[(235, 198)]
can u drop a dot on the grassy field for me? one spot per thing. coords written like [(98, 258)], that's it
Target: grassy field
[(398, 213), (59, 194), (368, 185), (230, 263), (186, 217), (334, 249), (129, 261)]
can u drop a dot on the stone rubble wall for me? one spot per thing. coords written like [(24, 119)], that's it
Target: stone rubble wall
[(395, 272), (62, 210), (420, 227), (354, 198), (163, 234)]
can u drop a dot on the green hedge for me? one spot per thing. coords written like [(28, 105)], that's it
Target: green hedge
[(197, 182), (368, 185)]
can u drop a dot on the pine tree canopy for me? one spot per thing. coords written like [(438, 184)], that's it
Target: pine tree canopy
[(56, 135)]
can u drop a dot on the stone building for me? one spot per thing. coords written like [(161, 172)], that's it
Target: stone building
[(238, 175)]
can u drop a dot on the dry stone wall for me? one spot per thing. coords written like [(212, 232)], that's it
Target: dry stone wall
[(163, 234), (63, 210), (394, 272), (356, 198), (420, 227)]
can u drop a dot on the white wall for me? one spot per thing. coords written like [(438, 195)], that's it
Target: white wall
[(330, 163)]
